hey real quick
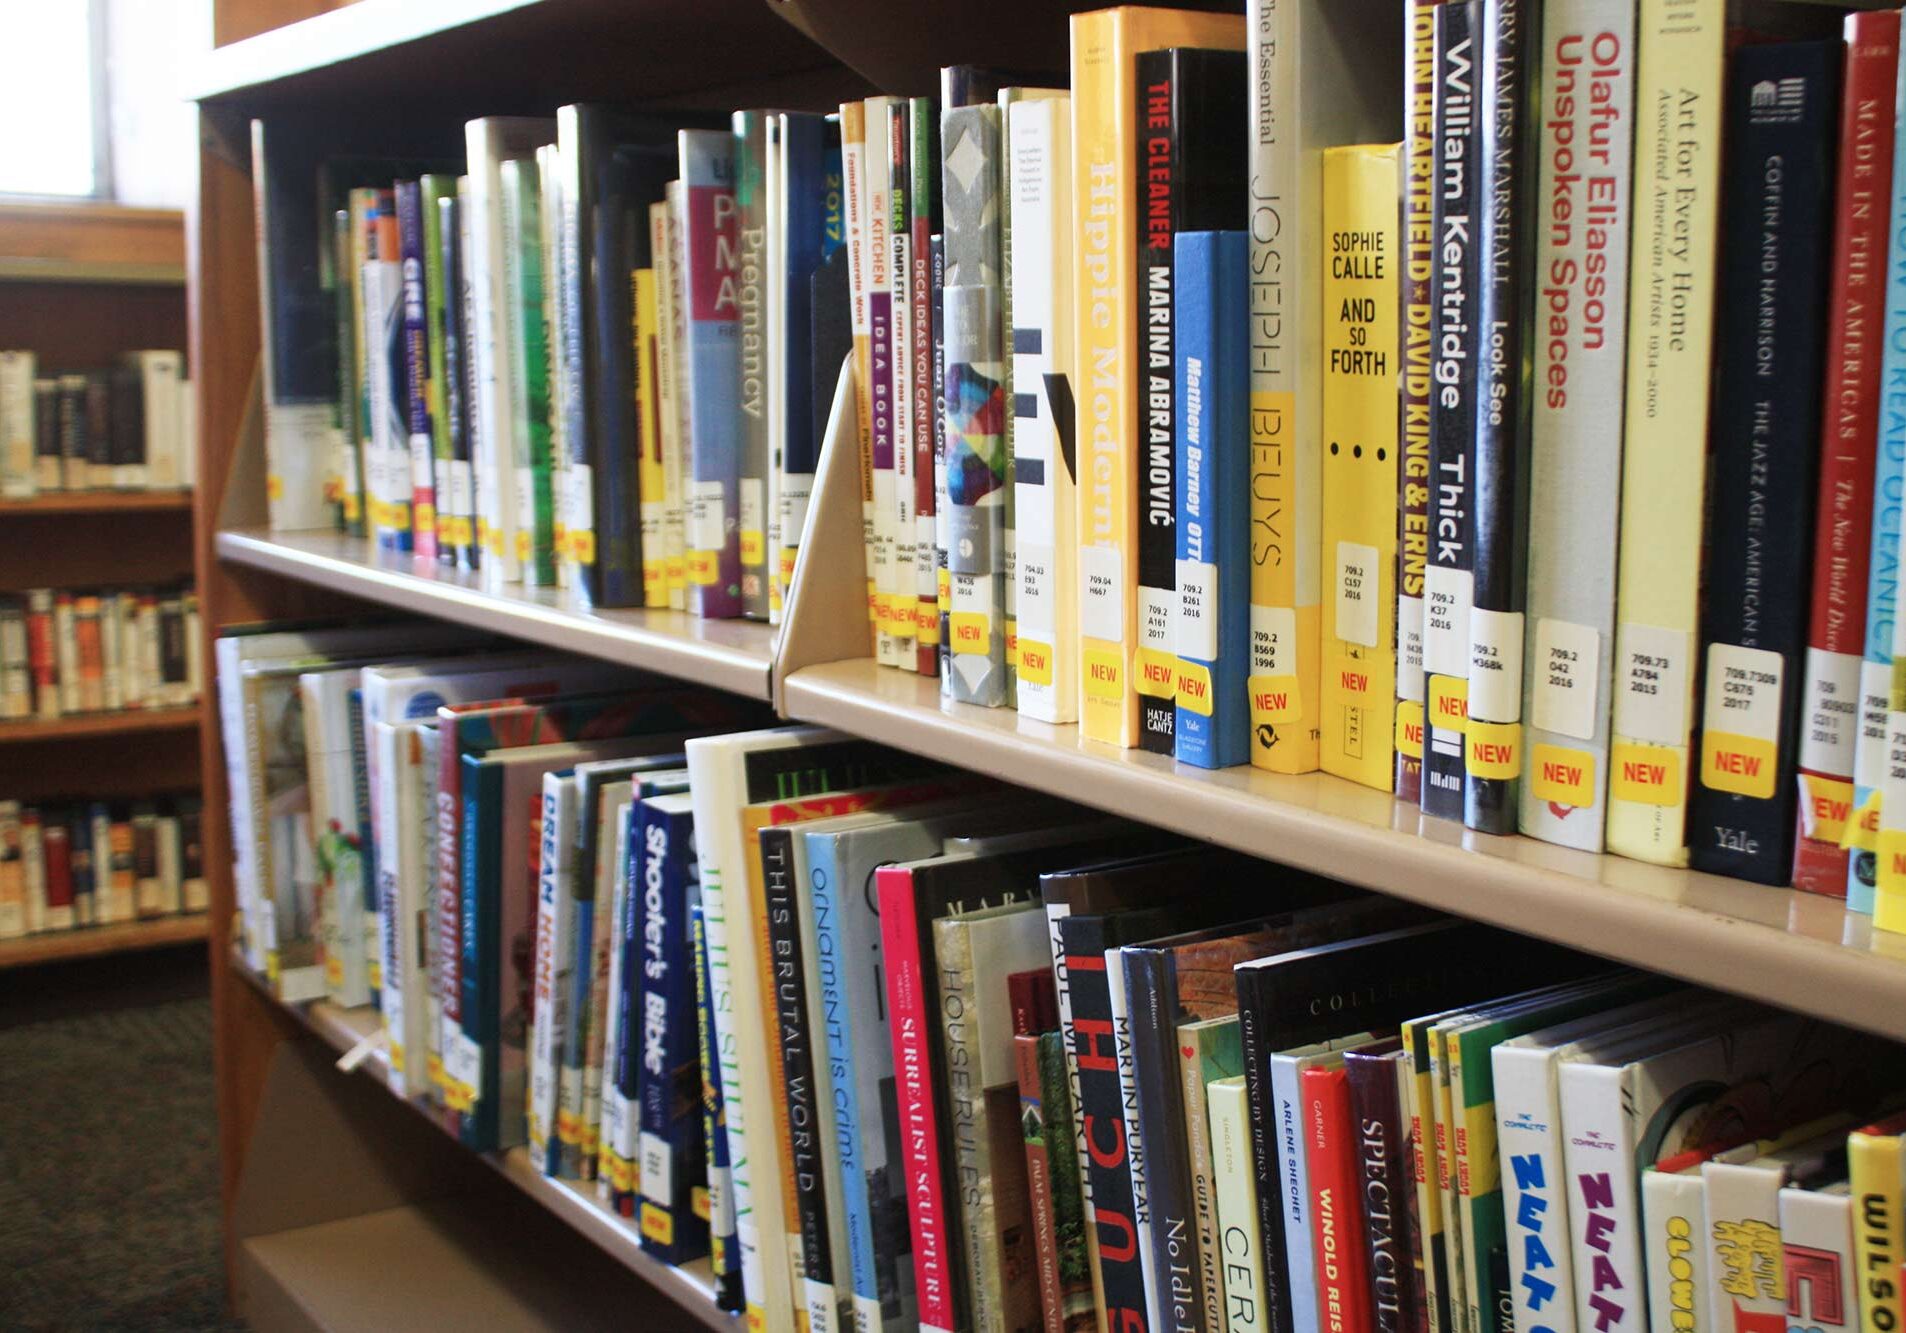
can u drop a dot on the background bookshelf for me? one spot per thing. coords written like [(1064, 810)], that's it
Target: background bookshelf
[(338, 75)]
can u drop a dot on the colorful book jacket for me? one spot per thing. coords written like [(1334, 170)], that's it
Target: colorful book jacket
[(530, 467), (925, 297), (1767, 407), (551, 1011), (975, 416), (1045, 484), (1575, 439), (1190, 136), (1383, 1162), (857, 203), (1333, 1145), (1065, 1277), (1212, 585), (896, 126), (723, 1247), (1882, 592), (1357, 699), (1449, 575), (1830, 695), (421, 444), (1106, 194), (712, 361), (448, 398), (751, 384)]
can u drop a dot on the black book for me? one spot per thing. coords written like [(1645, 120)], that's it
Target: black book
[(617, 164), (831, 335), (1447, 574), (1191, 157), (46, 432), (127, 415), (1378, 981), (456, 491), (1499, 506), (79, 842), (99, 430), (1777, 181), (1388, 1192), (788, 970)]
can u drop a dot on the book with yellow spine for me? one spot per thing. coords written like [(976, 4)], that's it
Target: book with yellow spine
[(1105, 47), (651, 479), (1304, 54), (1677, 159), (1873, 1160), (1358, 687), (853, 158)]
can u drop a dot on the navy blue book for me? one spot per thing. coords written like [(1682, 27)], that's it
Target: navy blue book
[(811, 179), (664, 872), (416, 333), (1777, 232), (1213, 620), (724, 1245)]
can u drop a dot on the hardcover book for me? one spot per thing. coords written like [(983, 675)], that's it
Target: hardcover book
[(925, 303), (1767, 404), (712, 362)]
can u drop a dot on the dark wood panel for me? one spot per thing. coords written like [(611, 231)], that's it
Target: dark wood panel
[(39, 550), (84, 326), (101, 768)]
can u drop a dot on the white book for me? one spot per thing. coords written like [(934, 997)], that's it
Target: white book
[(487, 143), (774, 286), (616, 1114), (386, 461), (552, 974), (1242, 1269), (12, 873), (1816, 1240), (1045, 513), (1674, 1220), (66, 648), (106, 900), (1287, 1072), (19, 458), (877, 271), (668, 333), (855, 204), (16, 673), (112, 673), (406, 856), (1743, 1235), (188, 434), (161, 374), (346, 931)]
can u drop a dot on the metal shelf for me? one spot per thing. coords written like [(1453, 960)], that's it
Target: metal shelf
[(732, 655), (1796, 950)]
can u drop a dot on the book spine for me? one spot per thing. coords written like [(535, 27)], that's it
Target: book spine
[(1343, 1296), (1245, 1308), (1448, 1181), (1604, 1232), (1575, 439), (1498, 497), (43, 653), (855, 205), (1679, 63), (447, 919), (877, 283), (470, 1069), (597, 872), (1286, 463), (555, 937), (1212, 523), (942, 500), (1449, 576), (1170, 1231), (665, 234), (57, 843), (1743, 1199), (1159, 161), (421, 437), (1420, 1098), (724, 1247), (1127, 1071), (958, 1011), (19, 463), (33, 858), (1267, 1188), (1816, 1257), (1045, 487), (1874, 1159), (1830, 693), (1360, 464), (923, 157), (1674, 1219), (976, 407), (1296, 1200), (533, 460), (1753, 631), (797, 1070), (895, 127), (751, 272), (443, 395), (384, 315), (615, 1170), (1534, 1193), (1882, 596), (347, 473), (1195, 1069), (1379, 1133), (1032, 1118), (911, 1025), (652, 470), (712, 358)]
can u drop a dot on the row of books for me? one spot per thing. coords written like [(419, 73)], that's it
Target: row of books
[(840, 1023), (126, 428), (69, 865), (65, 652)]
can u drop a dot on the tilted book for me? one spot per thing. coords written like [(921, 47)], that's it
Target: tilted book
[(750, 285), (712, 365)]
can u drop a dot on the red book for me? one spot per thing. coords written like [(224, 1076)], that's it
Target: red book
[(910, 1010), (1035, 1002), (56, 847), (921, 283), (1045, 1226), (1336, 1214), (1843, 522), (42, 655)]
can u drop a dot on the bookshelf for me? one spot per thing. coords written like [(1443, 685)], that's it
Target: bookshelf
[(493, 56), (101, 941), (126, 722)]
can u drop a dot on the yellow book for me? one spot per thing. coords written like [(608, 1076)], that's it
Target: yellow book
[(1447, 1128), (1873, 1162), (1360, 296), (1421, 1112), (651, 481), (1106, 200), (668, 412), (1671, 299), (853, 153)]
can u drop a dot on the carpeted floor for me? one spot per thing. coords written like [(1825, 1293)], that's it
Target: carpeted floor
[(109, 1151)]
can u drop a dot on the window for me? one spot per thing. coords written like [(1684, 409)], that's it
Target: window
[(52, 99)]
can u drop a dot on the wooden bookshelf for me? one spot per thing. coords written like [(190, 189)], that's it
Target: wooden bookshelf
[(99, 941), (100, 502), (93, 244), (124, 722)]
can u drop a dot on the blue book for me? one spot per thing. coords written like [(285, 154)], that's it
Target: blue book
[(663, 871), (482, 809), (724, 1246), (711, 499), (1882, 585), (1213, 520), (420, 443)]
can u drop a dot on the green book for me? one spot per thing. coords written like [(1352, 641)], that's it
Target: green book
[(1067, 1187), (529, 360), (437, 296), (346, 467)]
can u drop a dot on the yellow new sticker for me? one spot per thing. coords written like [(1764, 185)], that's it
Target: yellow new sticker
[(655, 582), (657, 1224), (1449, 703), (1274, 700), (582, 545), (698, 1201), (1561, 776), (1494, 749), (454, 531), (1889, 903), (926, 622), (945, 587), (677, 572), (426, 518), (1409, 727), (1194, 687), (971, 631), (1862, 833), (274, 487), (351, 508), (754, 546), (1104, 675), (1035, 662), (1826, 807), (1647, 774), (1157, 673), (1743, 765), (704, 568), (522, 544)]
